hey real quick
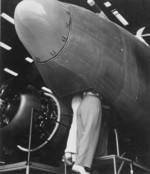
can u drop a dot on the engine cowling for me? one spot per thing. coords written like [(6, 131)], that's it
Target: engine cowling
[(51, 119)]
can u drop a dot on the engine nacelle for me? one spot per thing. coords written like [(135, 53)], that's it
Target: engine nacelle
[(51, 119)]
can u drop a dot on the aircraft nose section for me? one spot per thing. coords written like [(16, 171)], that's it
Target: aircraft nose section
[(43, 27)]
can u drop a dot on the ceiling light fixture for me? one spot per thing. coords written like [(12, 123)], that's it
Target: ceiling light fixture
[(120, 17), (8, 18), (3, 45), (10, 72), (107, 4), (28, 59)]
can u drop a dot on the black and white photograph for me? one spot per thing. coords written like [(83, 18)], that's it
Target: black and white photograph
[(75, 87)]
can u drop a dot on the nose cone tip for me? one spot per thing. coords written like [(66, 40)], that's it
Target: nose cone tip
[(42, 26), (26, 8)]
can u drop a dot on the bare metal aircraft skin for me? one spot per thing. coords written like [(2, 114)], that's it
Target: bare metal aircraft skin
[(74, 50)]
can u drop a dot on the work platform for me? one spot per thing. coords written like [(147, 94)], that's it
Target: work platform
[(34, 168), (111, 164), (118, 165)]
